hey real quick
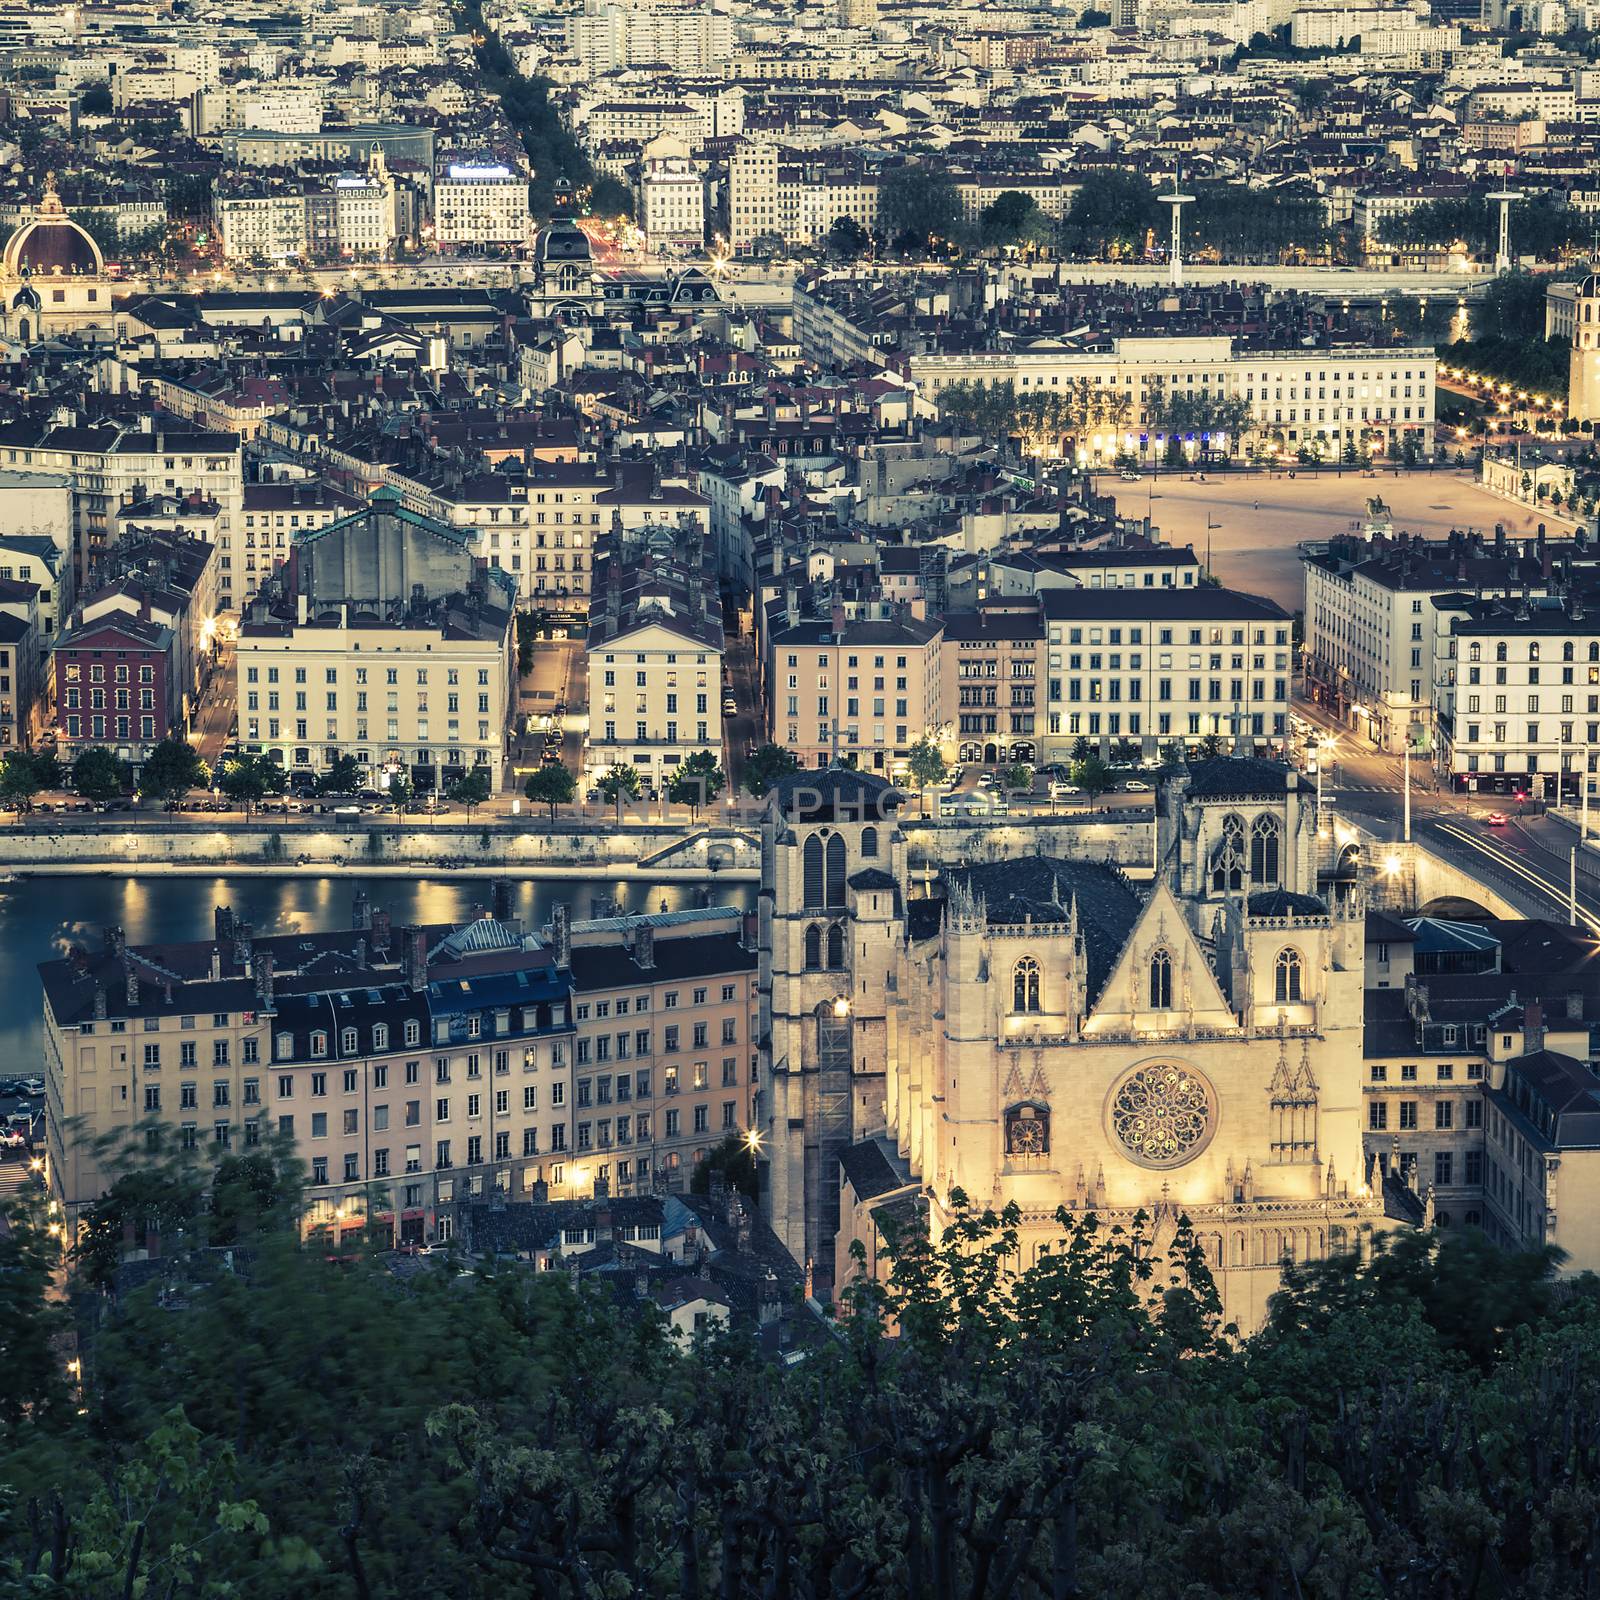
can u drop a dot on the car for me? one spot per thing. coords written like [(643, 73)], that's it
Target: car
[(1134, 786), (1060, 791), (986, 780), (1052, 769), (12, 1142), (10, 1086), (729, 705), (1497, 819), (1128, 475)]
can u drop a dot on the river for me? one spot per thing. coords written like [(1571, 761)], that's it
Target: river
[(40, 917)]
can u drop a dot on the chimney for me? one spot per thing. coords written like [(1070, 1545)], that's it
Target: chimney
[(380, 932), (539, 1195), (216, 962), (561, 936), (769, 1300), (500, 900), (243, 935), (748, 930), (131, 979), (116, 940), (99, 1001), (416, 959), (1532, 1027), (644, 947), (641, 1280), (1574, 1005), (263, 977), (360, 911)]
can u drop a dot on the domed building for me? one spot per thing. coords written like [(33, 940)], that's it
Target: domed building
[(52, 275), (563, 267), (1583, 361)]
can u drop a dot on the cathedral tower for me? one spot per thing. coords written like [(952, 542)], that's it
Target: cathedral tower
[(1583, 363)]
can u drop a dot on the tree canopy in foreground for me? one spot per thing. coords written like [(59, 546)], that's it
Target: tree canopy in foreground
[(1425, 1424)]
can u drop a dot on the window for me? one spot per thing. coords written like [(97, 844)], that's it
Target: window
[(1025, 985), (836, 947), (1264, 850), (1286, 981), (1408, 1115), (869, 843), (1443, 1164), (1161, 981), (812, 862), (813, 947), (836, 865), (1378, 1115), (1473, 1114), (1444, 1114)]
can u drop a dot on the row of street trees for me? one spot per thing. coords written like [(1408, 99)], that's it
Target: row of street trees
[(263, 1420)]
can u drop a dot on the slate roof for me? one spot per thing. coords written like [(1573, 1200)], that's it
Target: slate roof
[(835, 794), (1285, 903), (870, 1171), (1043, 887), (1237, 775)]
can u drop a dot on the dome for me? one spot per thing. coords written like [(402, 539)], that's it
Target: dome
[(1590, 286), (562, 241), (50, 242)]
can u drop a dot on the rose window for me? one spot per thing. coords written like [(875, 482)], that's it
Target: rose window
[(1161, 1114)]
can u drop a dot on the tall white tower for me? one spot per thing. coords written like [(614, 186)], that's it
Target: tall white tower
[(1583, 362), (1505, 199), (1175, 256)]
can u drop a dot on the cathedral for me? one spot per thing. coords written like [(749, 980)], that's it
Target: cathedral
[(1052, 1033), (52, 276)]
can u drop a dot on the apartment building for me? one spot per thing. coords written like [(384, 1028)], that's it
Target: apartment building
[(386, 640), (794, 195), (655, 655), (685, 39), (863, 686), (1518, 693), (672, 200), (1154, 665), (480, 202), (665, 1055), (413, 1070), (992, 668), (270, 225), (273, 516)]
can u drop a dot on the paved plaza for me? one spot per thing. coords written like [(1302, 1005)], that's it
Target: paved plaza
[(1254, 522)]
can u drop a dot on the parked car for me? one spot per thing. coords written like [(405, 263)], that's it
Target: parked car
[(1060, 791), (12, 1142), (31, 1086), (986, 780), (1136, 786)]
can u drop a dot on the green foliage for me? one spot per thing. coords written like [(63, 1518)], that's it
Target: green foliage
[(917, 203), (1112, 211), (247, 780), (344, 776), (401, 792), (847, 238), (96, 101), (697, 782), (610, 197), (171, 770), (1042, 421), (766, 766), (619, 783), (1093, 18), (1004, 219), (98, 775), (926, 763), (1538, 365), (527, 626), (734, 1159), (1539, 228), (988, 1420), (1091, 774), (1019, 775), (552, 785), (470, 788), (23, 774)]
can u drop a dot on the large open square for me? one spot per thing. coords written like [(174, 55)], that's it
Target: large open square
[(1255, 523)]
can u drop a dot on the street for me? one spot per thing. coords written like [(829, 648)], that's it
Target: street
[(1527, 857)]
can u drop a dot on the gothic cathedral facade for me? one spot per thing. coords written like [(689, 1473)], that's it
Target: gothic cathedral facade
[(1047, 1032)]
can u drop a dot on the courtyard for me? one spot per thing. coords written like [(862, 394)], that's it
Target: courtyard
[(1254, 522)]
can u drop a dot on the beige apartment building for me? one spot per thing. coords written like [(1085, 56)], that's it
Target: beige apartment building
[(992, 684), (868, 688), (411, 1070)]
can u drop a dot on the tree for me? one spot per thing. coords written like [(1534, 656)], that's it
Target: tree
[(1092, 775), (917, 204), (1003, 220), (552, 785), (610, 197), (470, 788), (617, 784), (401, 793), (926, 763), (22, 776), (766, 765), (247, 780), (847, 238), (1112, 211), (1094, 19), (99, 776), (170, 771), (345, 776), (1019, 775), (96, 101), (735, 1159), (697, 782)]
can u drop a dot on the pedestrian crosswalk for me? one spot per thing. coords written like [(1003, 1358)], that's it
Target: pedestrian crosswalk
[(15, 1175), (1362, 788)]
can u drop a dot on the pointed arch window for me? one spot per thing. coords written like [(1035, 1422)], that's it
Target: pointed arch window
[(1264, 850), (1161, 981), (836, 947), (1286, 985), (812, 856), (1227, 869), (835, 871), (813, 947), (1025, 985)]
